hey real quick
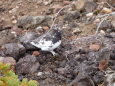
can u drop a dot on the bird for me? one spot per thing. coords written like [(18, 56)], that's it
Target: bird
[(49, 41)]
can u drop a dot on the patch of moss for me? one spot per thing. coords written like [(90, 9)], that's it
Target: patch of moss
[(9, 78)]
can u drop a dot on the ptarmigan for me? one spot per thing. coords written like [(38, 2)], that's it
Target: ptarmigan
[(49, 41)]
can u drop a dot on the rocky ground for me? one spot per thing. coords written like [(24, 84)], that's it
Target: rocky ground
[(86, 56)]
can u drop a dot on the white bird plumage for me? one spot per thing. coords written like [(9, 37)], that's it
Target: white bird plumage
[(49, 41)]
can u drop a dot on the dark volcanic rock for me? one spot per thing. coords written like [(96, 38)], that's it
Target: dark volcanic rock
[(85, 61), (72, 15), (105, 25), (14, 50), (98, 77), (32, 21), (77, 63), (27, 38), (27, 65), (84, 43), (8, 60), (82, 81), (6, 37), (90, 6), (27, 21)]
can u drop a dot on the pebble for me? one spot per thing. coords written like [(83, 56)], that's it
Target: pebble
[(89, 14), (106, 10), (40, 74), (79, 4), (103, 64), (102, 31), (39, 27), (113, 23), (96, 21), (14, 10), (94, 47), (45, 27), (47, 2), (66, 2), (14, 21), (36, 53), (76, 30), (9, 60), (62, 70), (13, 17)]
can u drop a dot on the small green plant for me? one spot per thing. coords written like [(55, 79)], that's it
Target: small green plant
[(9, 78)]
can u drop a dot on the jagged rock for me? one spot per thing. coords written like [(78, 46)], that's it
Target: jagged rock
[(90, 6), (14, 50), (82, 81), (9, 60), (27, 38), (105, 25), (32, 21), (27, 65), (72, 15), (6, 37)]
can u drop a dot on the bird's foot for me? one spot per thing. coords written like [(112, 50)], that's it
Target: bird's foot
[(54, 54)]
